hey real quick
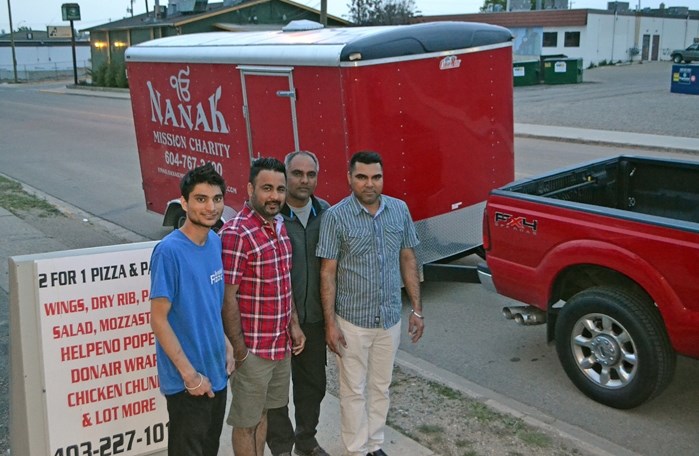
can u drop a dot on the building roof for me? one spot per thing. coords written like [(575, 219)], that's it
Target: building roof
[(548, 18), (28, 37), (146, 20), (539, 18)]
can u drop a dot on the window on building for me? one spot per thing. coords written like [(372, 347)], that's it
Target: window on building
[(572, 39), (550, 39)]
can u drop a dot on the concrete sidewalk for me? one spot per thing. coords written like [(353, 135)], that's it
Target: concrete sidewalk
[(608, 137), (329, 434)]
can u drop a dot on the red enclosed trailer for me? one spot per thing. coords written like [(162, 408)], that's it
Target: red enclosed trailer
[(434, 99)]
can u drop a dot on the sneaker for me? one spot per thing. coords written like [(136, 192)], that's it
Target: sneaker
[(317, 451)]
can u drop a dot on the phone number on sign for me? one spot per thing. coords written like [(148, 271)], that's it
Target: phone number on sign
[(188, 161), (117, 443)]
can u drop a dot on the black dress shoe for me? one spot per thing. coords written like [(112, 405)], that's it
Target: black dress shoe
[(378, 452)]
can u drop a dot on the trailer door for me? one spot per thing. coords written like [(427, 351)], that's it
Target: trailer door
[(269, 107)]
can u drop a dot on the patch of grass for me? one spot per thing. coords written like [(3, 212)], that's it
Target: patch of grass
[(430, 429), (445, 391), (16, 200), (534, 438), (483, 413), (513, 424)]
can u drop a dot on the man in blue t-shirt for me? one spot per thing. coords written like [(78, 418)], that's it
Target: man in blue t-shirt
[(194, 356)]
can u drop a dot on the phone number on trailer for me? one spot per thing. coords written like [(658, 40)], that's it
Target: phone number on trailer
[(117, 443), (189, 161)]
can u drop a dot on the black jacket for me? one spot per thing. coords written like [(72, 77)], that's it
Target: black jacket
[(305, 265)]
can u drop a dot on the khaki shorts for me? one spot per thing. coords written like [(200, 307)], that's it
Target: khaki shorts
[(259, 384)]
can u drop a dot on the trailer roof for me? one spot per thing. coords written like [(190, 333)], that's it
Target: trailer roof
[(323, 47)]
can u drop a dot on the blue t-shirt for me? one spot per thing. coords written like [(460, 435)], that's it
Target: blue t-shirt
[(191, 278)]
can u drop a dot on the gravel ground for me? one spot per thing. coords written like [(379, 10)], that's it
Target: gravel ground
[(632, 97), (452, 424)]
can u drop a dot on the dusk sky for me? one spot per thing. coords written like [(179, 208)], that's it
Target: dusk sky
[(37, 14)]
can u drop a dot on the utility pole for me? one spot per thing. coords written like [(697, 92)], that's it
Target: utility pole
[(12, 41), (323, 12)]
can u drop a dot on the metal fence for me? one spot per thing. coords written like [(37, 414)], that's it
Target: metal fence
[(43, 72)]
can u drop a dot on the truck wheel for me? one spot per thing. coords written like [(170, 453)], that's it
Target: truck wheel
[(613, 346), (677, 59)]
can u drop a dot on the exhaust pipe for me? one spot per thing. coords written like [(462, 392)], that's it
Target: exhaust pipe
[(510, 312), (525, 315)]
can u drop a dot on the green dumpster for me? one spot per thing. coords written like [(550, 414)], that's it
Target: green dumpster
[(563, 71), (526, 72)]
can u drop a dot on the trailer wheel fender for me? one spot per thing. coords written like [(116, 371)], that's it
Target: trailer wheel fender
[(174, 214), (613, 346)]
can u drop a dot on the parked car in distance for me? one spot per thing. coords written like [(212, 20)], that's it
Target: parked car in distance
[(686, 55)]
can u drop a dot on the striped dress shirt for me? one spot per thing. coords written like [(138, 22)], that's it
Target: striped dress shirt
[(367, 250)]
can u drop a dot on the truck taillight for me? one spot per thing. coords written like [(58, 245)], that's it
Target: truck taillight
[(486, 231)]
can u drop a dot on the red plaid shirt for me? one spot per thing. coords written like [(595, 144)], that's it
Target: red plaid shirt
[(257, 258)]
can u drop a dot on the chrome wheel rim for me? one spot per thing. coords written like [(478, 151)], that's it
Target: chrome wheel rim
[(604, 351)]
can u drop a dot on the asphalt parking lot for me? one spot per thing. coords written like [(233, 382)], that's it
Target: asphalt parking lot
[(630, 97)]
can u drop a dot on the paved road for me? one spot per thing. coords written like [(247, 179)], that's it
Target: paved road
[(74, 147), (631, 98)]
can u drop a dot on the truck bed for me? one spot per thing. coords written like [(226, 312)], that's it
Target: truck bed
[(661, 188)]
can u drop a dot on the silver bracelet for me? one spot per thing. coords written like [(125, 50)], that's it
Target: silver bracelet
[(417, 314), (201, 380), (244, 357)]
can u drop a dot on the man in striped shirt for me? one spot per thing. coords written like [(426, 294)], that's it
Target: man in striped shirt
[(259, 317), (366, 245)]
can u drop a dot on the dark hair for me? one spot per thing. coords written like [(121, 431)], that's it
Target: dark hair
[(203, 174), (367, 157), (265, 163), (291, 155)]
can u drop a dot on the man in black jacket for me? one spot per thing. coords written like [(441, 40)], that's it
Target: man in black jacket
[(302, 214)]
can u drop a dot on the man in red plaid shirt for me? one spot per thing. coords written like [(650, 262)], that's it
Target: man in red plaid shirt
[(259, 316)]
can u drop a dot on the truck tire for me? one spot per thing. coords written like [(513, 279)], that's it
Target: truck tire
[(613, 346)]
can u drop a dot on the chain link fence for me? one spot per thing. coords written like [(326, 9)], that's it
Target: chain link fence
[(44, 71)]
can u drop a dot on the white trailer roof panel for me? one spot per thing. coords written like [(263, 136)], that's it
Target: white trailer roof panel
[(323, 47)]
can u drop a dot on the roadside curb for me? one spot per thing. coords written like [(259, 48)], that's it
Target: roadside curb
[(578, 437), (608, 138), (73, 212), (86, 91)]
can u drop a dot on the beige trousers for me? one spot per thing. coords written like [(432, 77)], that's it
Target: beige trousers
[(365, 371)]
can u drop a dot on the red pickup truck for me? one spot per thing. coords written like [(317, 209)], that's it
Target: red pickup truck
[(607, 255)]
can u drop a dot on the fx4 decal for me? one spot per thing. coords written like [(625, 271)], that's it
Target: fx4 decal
[(517, 223)]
